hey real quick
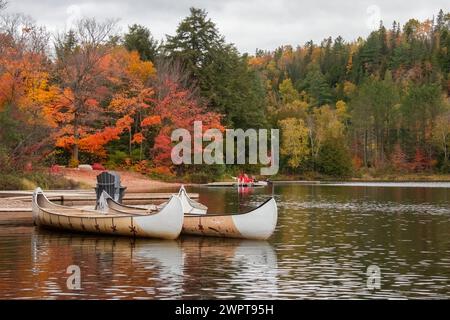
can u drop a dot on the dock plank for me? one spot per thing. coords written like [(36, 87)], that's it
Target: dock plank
[(91, 197)]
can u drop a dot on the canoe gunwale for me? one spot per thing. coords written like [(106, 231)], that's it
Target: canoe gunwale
[(165, 224), (143, 211), (229, 214), (187, 215), (74, 212)]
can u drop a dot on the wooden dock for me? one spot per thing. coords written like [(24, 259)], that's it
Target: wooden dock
[(80, 198)]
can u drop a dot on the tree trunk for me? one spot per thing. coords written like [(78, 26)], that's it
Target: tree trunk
[(445, 150), (75, 152), (129, 145), (365, 148)]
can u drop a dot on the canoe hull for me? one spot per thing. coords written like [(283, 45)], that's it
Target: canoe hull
[(257, 224), (221, 226), (165, 224)]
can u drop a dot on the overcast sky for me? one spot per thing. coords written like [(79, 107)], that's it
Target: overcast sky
[(250, 24)]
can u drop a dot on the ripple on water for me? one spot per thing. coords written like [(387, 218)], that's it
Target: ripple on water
[(325, 239)]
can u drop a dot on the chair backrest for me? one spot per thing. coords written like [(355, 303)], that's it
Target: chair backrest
[(110, 183)]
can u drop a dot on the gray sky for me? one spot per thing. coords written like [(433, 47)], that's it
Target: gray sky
[(250, 24)]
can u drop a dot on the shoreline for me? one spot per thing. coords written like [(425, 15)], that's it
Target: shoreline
[(134, 182), (366, 178)]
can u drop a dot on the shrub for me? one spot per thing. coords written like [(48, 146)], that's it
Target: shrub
[(73, 163), (98, 166), (10, 182), (117, 159), (334, 160)]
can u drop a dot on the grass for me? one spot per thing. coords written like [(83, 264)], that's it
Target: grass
[(32, 180)]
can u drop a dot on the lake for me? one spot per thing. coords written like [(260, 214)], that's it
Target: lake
[(326, 239)]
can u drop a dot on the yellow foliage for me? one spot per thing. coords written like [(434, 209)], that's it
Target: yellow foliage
[(326, 127), (327, 124), (341, 110), (349, 88), (287, 91), (294, 137), (131, 62), (143, 70)]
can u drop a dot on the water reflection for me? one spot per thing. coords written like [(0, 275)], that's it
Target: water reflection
[(191, 267), (325, 239)]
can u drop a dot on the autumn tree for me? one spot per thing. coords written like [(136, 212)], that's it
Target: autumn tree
[(294, 142), (81, 71), (150, 105), (131, 100), (175, 108), (24, 88), (292, 104)]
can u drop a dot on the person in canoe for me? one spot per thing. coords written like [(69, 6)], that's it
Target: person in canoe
[(245, 179)]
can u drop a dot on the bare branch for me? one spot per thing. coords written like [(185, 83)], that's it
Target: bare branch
[(93, 33), (24, 33), (3, 4)]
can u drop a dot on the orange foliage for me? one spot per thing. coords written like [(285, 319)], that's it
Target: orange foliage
[(124, 123), (118, 68), (24, 83), (142, 167), (131, 64), (259, 61), (150, 121), (138, 138), (114, 97), (178, 109), (357, 162), (94, 143), (420, 161)]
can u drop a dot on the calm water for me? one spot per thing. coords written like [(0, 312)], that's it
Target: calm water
[(326, 238)]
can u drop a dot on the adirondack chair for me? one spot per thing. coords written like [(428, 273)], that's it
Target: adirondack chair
[(110, 183)]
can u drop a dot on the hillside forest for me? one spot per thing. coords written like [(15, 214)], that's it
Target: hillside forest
[(345, 108)]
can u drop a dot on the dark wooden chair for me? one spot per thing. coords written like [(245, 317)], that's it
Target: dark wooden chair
[(109, 182)]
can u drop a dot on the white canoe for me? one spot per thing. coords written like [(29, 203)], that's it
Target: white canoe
[(257, 224), (189, 205), (238, 185), (166, 223)]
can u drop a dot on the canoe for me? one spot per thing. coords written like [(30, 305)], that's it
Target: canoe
[(189, 205), (238, 185), (164, 223), (256, 224)]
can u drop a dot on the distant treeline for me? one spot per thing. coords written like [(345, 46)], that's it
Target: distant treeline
[(93, 95)]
